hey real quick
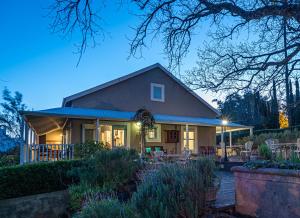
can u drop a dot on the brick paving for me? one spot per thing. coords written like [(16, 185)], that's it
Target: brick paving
[(226, 193)]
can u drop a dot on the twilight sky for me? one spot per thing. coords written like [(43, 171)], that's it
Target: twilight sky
[(42, 65)]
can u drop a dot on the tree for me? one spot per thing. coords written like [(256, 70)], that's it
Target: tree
[(297, 103), (291, 105), (252, 42), (238, 61), (283, 121), (10, 118), (250, 109), (146, 122), (274, 108)]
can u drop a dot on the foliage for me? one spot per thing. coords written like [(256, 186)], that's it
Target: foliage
[(87, 149), (107, 208), (108, 168), (9, 160), (251, 109), (10, 157), (265, 152), (175, 190), (282, 135), (36, 178), (146, 121), (80, 192), (10, 118), (283, 120), (273, 164), (294, 157)]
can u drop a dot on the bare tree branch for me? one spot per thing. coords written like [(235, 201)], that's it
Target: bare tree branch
[(72, 16)]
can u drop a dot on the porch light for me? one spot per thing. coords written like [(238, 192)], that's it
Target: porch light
[(224, 122), (139, 124)]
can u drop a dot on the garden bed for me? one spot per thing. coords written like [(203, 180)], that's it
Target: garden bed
[(267, 192)]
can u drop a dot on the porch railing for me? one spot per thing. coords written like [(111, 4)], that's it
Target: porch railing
[(46, 152)]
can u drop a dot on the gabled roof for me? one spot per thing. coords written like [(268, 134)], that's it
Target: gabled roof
[(136, 73)]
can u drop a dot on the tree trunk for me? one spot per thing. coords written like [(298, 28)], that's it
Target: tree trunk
[(287, 94)]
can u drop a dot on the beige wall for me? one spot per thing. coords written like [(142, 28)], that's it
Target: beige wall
[(54, 137), (206, 136), (134, 93), (76, 129)]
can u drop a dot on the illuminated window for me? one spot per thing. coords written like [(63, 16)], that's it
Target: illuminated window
[(105, 135), (189, 140), (154, 135), (157, 92)]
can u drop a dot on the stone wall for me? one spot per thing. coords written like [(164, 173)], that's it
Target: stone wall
[(267, 192), (47, 205)]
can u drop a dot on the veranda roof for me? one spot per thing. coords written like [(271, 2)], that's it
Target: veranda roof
[(44, 120)]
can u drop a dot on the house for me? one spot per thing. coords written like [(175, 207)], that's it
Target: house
[(105, 113)]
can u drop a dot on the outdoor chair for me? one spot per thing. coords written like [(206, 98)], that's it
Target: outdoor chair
[(158, 155), (246, 153), (186, 155)]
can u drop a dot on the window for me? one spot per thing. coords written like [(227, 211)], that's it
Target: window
[(113, 135), (88, 132), (189, 140), (157, 92), (172, 136), (119, 137), (105, 135), (154, 135)]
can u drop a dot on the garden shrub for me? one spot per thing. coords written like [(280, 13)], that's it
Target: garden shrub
[(80, 193), (108, 168), (175, 190), (107, 208), (10, 157), (87, 149), (273, 164), (294, 157), (265, 152), (9, 160), (29, 179)]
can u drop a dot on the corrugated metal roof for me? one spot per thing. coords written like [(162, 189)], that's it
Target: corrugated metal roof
[(72, 112)]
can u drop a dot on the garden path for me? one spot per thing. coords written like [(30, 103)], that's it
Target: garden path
[(226, 193)]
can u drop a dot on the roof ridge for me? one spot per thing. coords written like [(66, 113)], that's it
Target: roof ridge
[(136, 73)]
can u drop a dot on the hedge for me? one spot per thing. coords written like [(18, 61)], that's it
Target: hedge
[(29, 179)]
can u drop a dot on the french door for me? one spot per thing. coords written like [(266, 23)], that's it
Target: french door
[(119, 133)]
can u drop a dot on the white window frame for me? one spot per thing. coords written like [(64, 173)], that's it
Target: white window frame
[(158, 136), (183, 140), (156, 85)]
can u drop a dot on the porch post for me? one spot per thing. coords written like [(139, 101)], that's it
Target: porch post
[(251, 131), (222, 142), (97, 130), (187, 136), (22, 143), (230, 139)]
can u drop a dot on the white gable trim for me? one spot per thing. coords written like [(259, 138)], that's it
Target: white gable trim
[(136, 73)]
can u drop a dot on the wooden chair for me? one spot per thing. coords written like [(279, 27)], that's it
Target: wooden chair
[(297, 151), (247, 150)]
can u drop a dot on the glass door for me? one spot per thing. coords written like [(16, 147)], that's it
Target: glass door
[(106, 135), (119, 135)]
